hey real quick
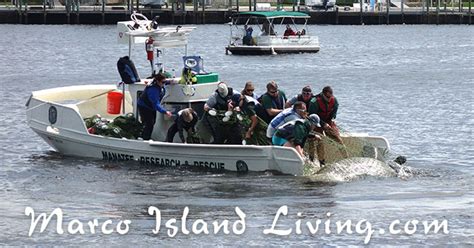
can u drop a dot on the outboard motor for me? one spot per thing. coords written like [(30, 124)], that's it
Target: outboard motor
[(127, 70)]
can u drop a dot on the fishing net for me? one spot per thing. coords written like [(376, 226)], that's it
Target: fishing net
[(259, 136), (356, 156)]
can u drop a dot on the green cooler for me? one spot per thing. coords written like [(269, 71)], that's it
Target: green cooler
[(207, 78)]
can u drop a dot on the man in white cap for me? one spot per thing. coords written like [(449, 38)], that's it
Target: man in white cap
[(294, 133), (185, 120), (223, 99)]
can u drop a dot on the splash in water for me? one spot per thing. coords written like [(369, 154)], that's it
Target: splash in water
[(353, 168)]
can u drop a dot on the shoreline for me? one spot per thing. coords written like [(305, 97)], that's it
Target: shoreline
[(111, 15)]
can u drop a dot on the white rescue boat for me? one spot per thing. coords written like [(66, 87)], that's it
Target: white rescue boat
[(57, 115)]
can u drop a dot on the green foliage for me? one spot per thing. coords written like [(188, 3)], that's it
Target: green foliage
[(124, 126), (259, 134)]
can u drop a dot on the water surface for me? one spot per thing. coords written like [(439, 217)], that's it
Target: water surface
[(410, 84)]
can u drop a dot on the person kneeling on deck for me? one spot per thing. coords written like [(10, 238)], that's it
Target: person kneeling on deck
[(223, 131), (294, 133), (150, 102), (186, 120)]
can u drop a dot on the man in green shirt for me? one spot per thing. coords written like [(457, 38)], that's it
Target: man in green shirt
[(273, 102), (294, 133)]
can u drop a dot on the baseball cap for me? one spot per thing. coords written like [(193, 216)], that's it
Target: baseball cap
[(222, 89), (314, 119)]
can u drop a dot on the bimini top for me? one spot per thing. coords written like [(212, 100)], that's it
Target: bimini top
[(273, 14)]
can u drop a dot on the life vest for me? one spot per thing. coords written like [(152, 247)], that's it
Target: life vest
[(286, 130), (144, 95), (325, 108), (221, 103), (187, 77)]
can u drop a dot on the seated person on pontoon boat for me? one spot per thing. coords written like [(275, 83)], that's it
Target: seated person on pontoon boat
[(248, 39), (224, 99), (288, 32), (186, 120)]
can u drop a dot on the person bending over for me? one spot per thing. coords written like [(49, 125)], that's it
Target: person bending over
[(186, 120), (294, 133)]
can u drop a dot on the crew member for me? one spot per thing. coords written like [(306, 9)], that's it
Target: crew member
[(298, 111), (186, 120), (273, 102), (325, 105), (248, 104), (294, 133), (224, 99), (150, 102), (305, 96), (288, 32)]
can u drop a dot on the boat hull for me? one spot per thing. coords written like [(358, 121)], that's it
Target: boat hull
[(60, 123), (62, 127), (210, 157), (269, 50)]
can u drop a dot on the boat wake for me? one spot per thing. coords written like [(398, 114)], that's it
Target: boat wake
[(354, 168)]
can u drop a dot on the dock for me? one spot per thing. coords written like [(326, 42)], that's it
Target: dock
[(339, 15)]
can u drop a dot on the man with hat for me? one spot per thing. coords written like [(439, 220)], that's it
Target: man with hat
[(150, 102), (224, 99), (294, 133), (185, 120)]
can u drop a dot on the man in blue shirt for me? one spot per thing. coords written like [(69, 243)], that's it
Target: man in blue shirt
[(150, 102)]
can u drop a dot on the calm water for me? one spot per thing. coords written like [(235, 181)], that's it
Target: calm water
[(412, 84)]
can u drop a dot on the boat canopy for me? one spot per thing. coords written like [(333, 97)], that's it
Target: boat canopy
[(140, 29), (273, 14)]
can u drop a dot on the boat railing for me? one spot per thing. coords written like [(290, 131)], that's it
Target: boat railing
[(297, 40)]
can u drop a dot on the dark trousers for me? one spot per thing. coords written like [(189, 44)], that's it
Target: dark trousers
[(223, 133), (148, 118), (172, 132), (228, 134)]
